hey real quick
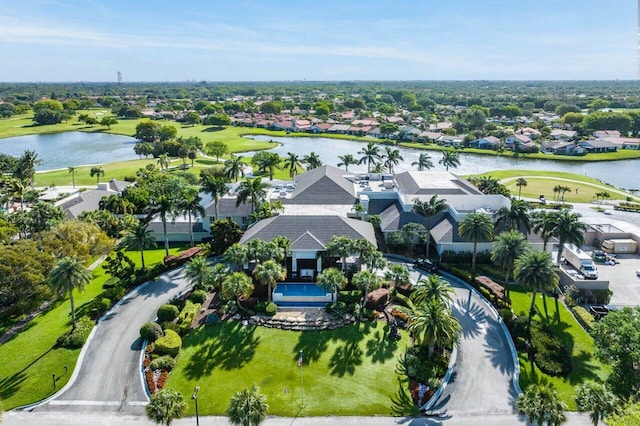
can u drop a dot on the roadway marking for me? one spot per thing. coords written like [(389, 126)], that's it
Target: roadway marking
[(96, 403)]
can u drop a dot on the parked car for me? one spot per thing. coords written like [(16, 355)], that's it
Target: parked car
[(426, 264), (599, 255)]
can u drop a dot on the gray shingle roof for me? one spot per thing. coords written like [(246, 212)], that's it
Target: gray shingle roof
[(86, 201), (227, 207), (324, 185)]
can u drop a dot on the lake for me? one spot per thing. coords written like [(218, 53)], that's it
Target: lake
[(623, 174), (61, 150)]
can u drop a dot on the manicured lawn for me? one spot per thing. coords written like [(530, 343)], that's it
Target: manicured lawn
[(30, 358), (348, 371), (585, 365)]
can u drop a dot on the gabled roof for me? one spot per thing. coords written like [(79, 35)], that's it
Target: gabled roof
[(227, 208), (323, 185), (307, 241), (86, 201)]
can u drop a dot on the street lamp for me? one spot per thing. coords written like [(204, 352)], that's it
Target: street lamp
[(195, 398)]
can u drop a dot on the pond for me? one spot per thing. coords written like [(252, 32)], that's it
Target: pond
[(61, 150), (623, 174)]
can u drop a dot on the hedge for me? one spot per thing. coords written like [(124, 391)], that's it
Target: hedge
[(549, 354), (151, 331), (167, 313), (584, 317), (76, 338), (198, 296), (169, 344), (187, 316), (163, 363)]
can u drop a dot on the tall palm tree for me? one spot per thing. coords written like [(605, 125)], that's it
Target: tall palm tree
[(98, 172), (520, 182), (365, 281), (269, 273), (237, 255), (535, 271), (267, 162), (219, 273), (189, 203), (596, 398), (248, 407), (252, 189), (340, 246), (433, 288), (332, 279), (542, 404), (542, 223), (397, 275), (164, 161), (508, 247), (428, 209), (433, 324), (449, 159), (312, 160), (139, 237), (514, 217), (346, 161), (214, 186), (392, 158), (197, 272), (370, 154), (476, 227), (67, 275), (567, 228), (234, 168), (424, 162), (18, 189), (236, 286), (73, 171), (292, 163), (165, 406), (26, 166)]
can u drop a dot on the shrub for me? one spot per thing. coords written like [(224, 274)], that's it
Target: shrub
[(169, 344), (76, 338), (114, 293), (163, 363), (167, 313), (271, 309), (518, 327), (584, 317), (171, 326), (549, 354), (506, 314), (151, 331), (350, 296), (260, 307), (198, 296), (424, 370), (336, 308), (187, 316)]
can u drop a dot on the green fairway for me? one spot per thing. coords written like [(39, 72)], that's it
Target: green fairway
[(347, 371), (564, 325)]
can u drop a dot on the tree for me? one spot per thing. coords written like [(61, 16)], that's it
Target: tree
[(139, 237), (515, 217), (432, 324), (312, 160), (217, 148), (189, 203), (214, 186), (165, 192), (596, 398), (197, 272), (25, 168), (397, 275), (449, 159), (234, 168), (365, 281), (424, 162), (627, 415), (269, 273), (143, 148), (248, 407), (192, 118), (430, 289), (44, 216), (387, 129), (73, 171), (542, 223), (617, 340), (370, 154), (164, 161), (253, 189), (292, 163), (236, 254), (108, 122), (165, 406), (340, 246), (428, 209), (98, 172), (266, 162), (508, 247), (520, 182), (332, 279), (224, 233), (476, 227), (392, 158), (17, 189), (67, 275), (237, 286), (542, 404), (147, 131), (346, 161), (535, 271), (567, 228)]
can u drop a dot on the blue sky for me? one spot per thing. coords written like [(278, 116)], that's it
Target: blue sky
[(240, 40)]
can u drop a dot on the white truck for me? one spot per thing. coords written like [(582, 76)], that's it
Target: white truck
[(580, 260)]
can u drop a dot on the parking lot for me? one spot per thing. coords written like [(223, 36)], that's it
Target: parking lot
[(622, 279)]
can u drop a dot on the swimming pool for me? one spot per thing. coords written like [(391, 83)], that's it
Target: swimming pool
[(302, 295), (288, 289)]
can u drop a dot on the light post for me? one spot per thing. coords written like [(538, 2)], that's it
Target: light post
[(195, 398)]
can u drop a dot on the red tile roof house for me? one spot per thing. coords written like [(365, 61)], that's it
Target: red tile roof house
[(301, 125), (365, 122), (510, 141), (283, 125), (320, 127)]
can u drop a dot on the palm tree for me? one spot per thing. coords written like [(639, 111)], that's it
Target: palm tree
[(507, 247), (267, 162), (214, 186), (248, 407), (219, 272), (236, 254), (164, 205), (18, 189), (424, 162), (234, 168), (520, 182), (433, 288), (332, 279), (312, 160), (189, 203), (428, 209), (515, 217), (292, 163), (346, 161), (252, 189), (476, 227), (397, 275), (449, 159), (596, 398), (432, 323), (542, 222), (66, 276), (359, 209), (542, 404), (340, 246), (236, 286), (370, 154), (365, 281), (392, 158), (269, 273), (165, 406), (97, 172), (26, 166), (73, 171), (567, 228), (197, 272), (138, 237), (535, 271), (164, 161), (556, 192)]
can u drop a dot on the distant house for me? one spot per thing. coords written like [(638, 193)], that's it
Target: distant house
[(454, 141), (87, 201), (283, 125), (528, 131), (511, 141), (320, 127), (606, 134), (396, 120), (489, 142), (625, 143), (560, 134), (562, 148), (409, 132), (339, 128), (598, 145)]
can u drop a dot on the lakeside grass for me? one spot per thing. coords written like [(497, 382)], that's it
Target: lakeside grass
[(347, 371), (30, 357)]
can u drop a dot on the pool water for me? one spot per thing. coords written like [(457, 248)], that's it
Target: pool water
[(300, 290)]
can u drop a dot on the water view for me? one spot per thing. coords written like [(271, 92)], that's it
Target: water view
[(61, 150), (622, 174)]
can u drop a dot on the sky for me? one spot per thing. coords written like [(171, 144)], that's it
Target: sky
[(273, 40)]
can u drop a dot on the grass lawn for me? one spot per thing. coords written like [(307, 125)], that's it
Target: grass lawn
[(30, 358), (564, 325), (348, 371)]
